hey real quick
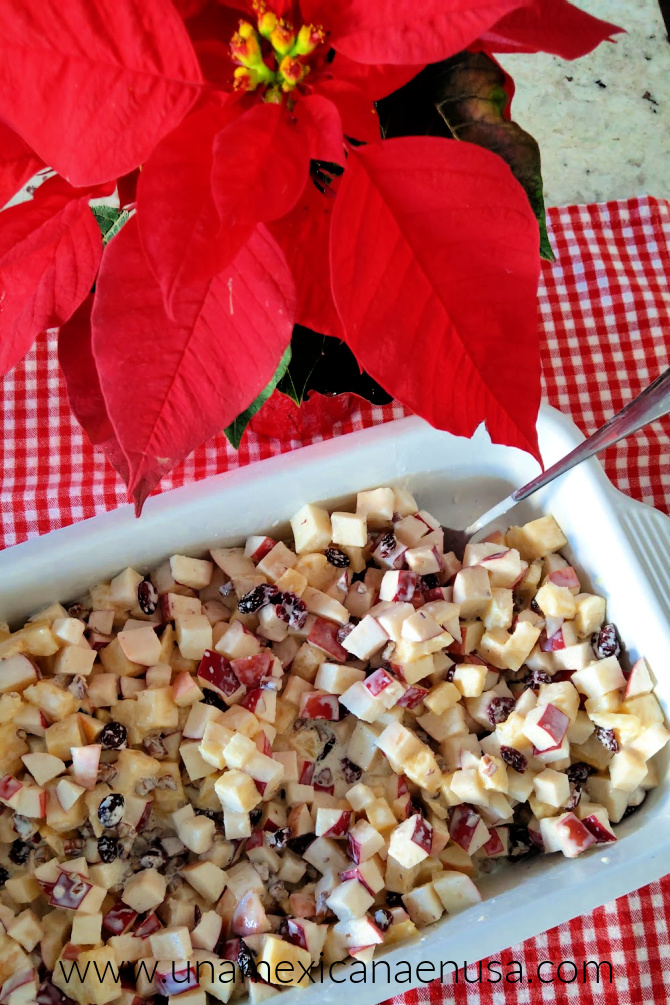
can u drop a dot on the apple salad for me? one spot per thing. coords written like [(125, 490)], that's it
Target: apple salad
[(300, 750)]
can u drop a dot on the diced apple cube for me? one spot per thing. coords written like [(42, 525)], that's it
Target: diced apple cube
[(145, 890), (650, 740), (206, 879), (590, 614), (350, 900), (237, 791), (537, 539), (469, 679), (123, 589), (456, 891), (627, 770), (195, 573), (349, 529), (194, 635), (311, 529), (552, 787), (468, 830), (567, 834), (545, 726), (72, 659), (367, 638), (411, 841), (472, 591), (141, 645), (639, 681), (277, 561), (43, 767), (519, 645), (68, 630), (423, 905), (599, 678), (283, 962)]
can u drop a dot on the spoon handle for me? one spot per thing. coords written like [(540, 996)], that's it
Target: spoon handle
[(652, 403)]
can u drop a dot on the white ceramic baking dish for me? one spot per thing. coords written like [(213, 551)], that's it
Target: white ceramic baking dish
[(620, 547)]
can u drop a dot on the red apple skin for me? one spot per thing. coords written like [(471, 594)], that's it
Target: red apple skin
[(555, 722), (255, 841), (262, 550), (119, 919), (69, 891), (324, 636), (175, 982), (463, 825), (251, 670), (353, 849), (341, 825), (578, 832), (321, 706), (413, 696), (553, 644), (356, 874), (295, 933), (217, 671), (565, 577), (378, 681), (306, 772), (423, 834), (596, 828), (251, 699), (494, 845), (149, 926), (71, 952), (9, 786)]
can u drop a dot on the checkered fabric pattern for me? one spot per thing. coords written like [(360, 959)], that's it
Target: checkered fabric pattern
[(605, 315)]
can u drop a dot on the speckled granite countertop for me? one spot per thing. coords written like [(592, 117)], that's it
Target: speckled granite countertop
[(603, 121)]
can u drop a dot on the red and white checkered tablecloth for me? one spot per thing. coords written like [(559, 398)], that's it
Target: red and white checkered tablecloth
[(605, 314)]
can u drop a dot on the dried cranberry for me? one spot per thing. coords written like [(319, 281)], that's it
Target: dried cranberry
[(428, 582), (578, 772), (147, 596), (292, 610), (20, 851), (153, 858), (4, 876), (520, 843), (76, 610), (327, 747), (514, 758), (255, 817), (246, 962), (535, 607), (323, 779), (386, 545), (300, 844), (108, 849), (534, 680), (338, 558), (197, 915), (49, 994), (260, 596), (343, 631), (632, 809), (350, 771), (394, 899), (449, 675), (606, 642), (212, 698), (111, 810), (499, 710), (383, 919), (607, 738), (575, 796), (113, 736), (279, 839)]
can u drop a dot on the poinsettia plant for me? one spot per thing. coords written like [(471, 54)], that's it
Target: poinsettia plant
[(219, 199)]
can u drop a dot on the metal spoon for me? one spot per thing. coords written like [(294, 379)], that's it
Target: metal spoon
[(652, 403)]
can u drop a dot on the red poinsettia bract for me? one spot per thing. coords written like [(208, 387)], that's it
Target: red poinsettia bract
[(243, 141)]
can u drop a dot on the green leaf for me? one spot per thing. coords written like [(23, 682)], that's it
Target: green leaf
[(235, 430), (110, 220), (306, 350)]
